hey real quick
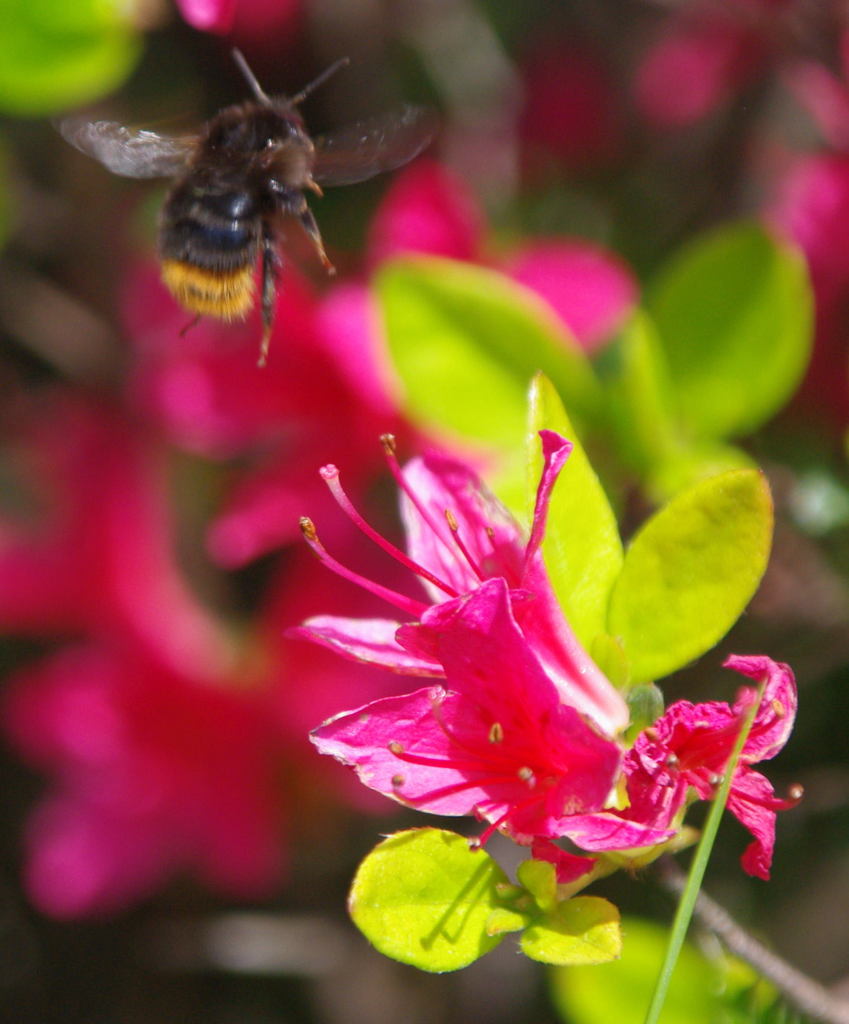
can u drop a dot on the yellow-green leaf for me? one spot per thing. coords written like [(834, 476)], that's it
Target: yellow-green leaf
[(424, 898), (690, 571), (582, 549), (583, 930)]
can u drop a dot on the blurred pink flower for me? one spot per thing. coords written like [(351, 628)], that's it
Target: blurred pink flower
[(209, 15), (247, 21), (153, 772), (811, 207), (427, 210), (809, 204), (570, 115), (208, 393), (91, 547), (705, 53), (163, 753)]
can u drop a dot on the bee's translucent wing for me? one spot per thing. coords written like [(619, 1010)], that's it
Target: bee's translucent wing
[(128, 151), (369, 147)]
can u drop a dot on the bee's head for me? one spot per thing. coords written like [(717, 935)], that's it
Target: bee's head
[(250, 128)]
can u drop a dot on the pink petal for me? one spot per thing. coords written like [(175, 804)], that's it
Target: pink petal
[(555, 451), (362, 739), (753, 803), (494, 540), (98, 550), (86, 859), (262, 514), (486, 657), (579, 681), (776, 714), (570, 867), (495, 741), (604, 831), (152, 772), (426, 210), (590, 289), (368, 640), (349, 331), (267, 26)]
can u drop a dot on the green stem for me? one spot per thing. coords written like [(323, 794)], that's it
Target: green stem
[(697, 870)]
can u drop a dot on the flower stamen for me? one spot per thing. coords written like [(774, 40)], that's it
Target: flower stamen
[(330, 475), (454, 527), (388, 442), (406, 604)]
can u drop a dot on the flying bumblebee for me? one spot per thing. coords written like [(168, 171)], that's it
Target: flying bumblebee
[(237, 179)]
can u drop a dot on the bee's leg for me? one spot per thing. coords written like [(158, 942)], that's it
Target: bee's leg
[(270, 265), (309, 225), (192, 323)]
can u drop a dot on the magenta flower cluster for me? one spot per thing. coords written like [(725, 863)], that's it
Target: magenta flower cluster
[(521, 729)]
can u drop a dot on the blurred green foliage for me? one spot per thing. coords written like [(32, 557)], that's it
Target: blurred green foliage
[(718, 990), (56, 55)]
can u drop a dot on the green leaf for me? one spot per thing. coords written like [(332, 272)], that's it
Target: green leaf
[(539, 877), (55, 54), (466, 342), (645, 704), (690, 571), (609, 655), (583, 930), (582, 548), (621, 991), (734, 312), (640, 399), (503, 920), (687, 466), (424, 898)]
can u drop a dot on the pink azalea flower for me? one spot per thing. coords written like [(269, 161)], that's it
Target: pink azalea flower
[(458, 536), (495, 741), (512, 732), (686, 750), (153, 771)]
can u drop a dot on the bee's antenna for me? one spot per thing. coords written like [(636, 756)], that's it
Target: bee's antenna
[(343, 62), (250, 78)]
